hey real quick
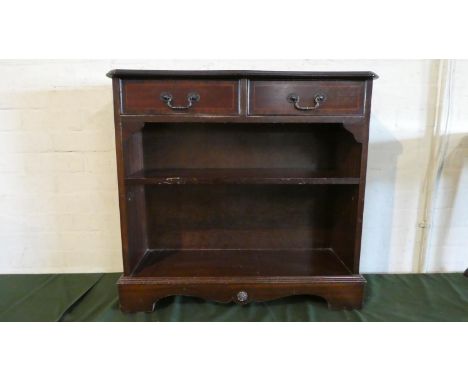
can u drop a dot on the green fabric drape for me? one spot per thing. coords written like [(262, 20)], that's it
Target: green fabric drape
[(93, 297)]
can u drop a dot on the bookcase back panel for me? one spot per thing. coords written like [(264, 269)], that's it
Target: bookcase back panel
[(313, 147), (244, 216)]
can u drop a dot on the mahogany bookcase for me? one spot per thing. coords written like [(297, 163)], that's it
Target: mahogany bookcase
[(241, 185)]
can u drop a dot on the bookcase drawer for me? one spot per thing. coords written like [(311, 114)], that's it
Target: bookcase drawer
[(207, 97), (306, 98)]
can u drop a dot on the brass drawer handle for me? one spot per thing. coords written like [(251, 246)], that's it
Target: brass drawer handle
[(294, 99), (191, 98)]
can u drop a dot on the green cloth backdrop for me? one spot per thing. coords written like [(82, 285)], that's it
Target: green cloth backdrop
[(93, 297)]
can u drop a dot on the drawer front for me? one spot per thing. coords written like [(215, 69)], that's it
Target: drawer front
[(180, 97), (306, 98)]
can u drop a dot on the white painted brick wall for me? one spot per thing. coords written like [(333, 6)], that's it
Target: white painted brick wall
[(58, 186), (58, 199)]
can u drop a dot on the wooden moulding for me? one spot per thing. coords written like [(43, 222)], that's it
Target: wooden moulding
[(142, 294)]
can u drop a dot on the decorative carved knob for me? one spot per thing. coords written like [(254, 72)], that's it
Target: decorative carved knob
[(242, 296)]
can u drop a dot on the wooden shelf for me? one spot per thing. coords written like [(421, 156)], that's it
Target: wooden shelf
[(240, 263), (238, 176)]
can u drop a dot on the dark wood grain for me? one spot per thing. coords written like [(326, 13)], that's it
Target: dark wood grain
[(248, 74), (243, 192), (239, 176), (132, 220), (363, 127), (317, 148), (240, 263), (141, 293), (341, 97), (243, 216), (216, 97)]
